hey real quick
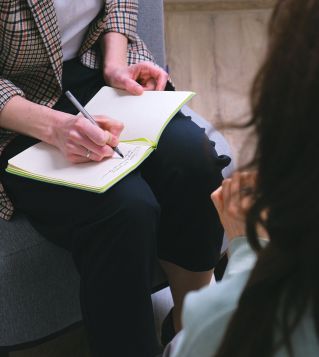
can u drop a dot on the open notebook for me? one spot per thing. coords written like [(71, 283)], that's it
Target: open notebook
[(144, 118)]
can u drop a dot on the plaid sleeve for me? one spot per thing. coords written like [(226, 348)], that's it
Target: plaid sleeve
[(122, 17), (138, 52), (7, 91)]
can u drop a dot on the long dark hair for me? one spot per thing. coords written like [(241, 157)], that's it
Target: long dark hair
[(285, 103)]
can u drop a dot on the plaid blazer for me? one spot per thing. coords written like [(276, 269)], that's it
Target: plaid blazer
[(31, 54)]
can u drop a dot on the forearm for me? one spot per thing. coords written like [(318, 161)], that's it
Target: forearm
[(73, 135), (24, 117), (114, 50)]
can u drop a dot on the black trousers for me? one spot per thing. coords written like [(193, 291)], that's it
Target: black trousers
[(161, 208)]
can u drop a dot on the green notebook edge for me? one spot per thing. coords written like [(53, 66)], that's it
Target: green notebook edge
[(191, 95), (16, 171)]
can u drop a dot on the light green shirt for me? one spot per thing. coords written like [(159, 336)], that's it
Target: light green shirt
[(207, 312)]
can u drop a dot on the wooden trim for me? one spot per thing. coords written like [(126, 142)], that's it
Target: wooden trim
[(218, 5)]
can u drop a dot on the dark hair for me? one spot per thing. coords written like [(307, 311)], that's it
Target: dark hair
[(285, 103)]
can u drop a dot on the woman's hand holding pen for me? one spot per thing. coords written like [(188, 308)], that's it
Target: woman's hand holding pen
[(136, 78), (75, 136), (81, 141)]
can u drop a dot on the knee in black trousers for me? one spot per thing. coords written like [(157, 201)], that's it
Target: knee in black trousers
[(183, 172)]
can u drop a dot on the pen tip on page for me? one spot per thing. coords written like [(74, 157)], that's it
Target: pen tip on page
[(118, 152)]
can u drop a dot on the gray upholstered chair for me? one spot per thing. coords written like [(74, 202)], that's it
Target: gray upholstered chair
[(38, 281)]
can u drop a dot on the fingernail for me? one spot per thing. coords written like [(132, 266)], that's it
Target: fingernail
[(139, 89)]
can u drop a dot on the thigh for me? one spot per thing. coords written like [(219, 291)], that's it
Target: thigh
[(58, 212)]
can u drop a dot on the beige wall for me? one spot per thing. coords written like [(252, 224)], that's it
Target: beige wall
[(216, 54)]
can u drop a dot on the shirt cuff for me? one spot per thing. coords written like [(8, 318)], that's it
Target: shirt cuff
[(123, 22), (7, 91)]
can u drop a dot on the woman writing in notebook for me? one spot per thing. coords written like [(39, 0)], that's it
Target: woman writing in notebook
[(113, 240)]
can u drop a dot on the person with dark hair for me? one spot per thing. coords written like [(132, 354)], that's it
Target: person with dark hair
[(268, 302), (47, 48)]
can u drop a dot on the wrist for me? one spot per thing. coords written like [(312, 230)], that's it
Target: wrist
[(113, 74), (56, 122), (27, 118), (109, 68)]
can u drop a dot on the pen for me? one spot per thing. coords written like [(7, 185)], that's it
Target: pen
[(81, 109)]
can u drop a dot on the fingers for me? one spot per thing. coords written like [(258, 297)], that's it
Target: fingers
[(150, 76), (100, 136), (115, 127), (225, 199), (232, 200), (81, 149), (79, 159), (236, 193), (161, 80), (247, 189), (86, 142), (217, 199), (137, 78), (132, 86), (122, 78), (149, 84)]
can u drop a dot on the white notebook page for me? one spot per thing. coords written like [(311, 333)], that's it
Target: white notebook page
[(143, 116)]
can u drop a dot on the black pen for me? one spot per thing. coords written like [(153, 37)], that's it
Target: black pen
[(81, 109)]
